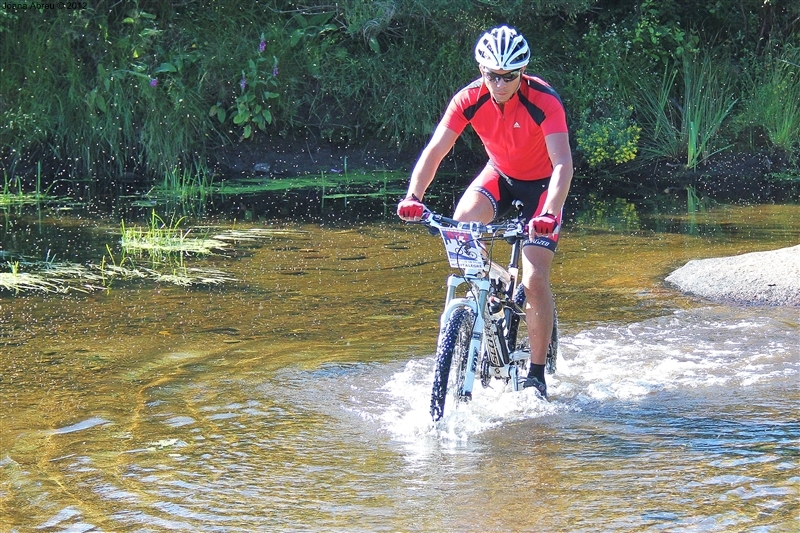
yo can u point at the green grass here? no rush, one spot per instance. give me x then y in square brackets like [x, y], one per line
[682, 114]
[160, 240]
[13, 194]
[774, 101]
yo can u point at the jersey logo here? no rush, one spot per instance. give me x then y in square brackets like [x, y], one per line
[516, 125]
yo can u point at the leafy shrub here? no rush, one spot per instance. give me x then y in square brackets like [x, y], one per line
[608, 140]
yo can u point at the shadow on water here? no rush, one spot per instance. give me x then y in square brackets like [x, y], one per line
[293, 396]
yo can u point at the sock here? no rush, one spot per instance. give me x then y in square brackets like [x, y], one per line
[536, 371]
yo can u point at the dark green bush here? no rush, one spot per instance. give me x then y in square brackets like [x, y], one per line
[152, 87]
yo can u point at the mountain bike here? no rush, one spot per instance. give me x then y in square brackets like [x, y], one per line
[482, 333]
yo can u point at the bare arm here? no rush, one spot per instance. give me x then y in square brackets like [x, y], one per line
[425, 170]
[561, 156]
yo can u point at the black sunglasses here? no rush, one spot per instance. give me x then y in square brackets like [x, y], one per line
[508, 77]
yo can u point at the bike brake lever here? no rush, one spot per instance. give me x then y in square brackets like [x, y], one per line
[427, 217]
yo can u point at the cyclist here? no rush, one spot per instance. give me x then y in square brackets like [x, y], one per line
[522, 123]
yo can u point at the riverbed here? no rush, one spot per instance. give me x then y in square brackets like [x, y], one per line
[294, 397]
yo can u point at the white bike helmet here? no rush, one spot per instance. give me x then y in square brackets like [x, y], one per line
[502, 49]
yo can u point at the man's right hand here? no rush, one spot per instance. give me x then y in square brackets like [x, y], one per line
[410, 209]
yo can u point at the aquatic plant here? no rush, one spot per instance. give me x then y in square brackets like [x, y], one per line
[187, 188]
[72, 277]
[17, 281]
[49, 276]
[160, 239]
[13, 195]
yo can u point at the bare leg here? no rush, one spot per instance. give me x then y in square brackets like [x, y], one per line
[536, 264]
[474, 207]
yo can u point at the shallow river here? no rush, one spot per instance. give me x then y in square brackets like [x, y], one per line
[296, 397]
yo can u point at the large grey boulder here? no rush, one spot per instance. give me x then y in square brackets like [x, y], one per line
[758, 278]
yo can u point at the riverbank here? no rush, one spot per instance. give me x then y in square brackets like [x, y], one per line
[315, 179]
[751, 177]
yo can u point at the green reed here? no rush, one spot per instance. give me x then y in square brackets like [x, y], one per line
[13, 194]
[683, 121]
[774, 99]
[188, 187]
[708, 100]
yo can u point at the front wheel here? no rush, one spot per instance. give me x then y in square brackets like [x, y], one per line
[451, 361]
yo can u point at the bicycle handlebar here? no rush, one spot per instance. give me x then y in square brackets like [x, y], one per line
[511, 229]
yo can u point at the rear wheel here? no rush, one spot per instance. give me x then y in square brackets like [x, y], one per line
[552, 349]
[517, 340]
[451, 361]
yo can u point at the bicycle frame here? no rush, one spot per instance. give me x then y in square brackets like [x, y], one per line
[487, 337]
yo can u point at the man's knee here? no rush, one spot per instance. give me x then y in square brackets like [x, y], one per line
[536, 276]
[474, 206]
[536, 284]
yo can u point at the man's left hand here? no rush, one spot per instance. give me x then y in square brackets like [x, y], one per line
[545, 224]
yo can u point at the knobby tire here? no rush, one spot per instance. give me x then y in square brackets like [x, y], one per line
[451, 360]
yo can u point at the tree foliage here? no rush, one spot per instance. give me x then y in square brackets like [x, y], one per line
[151, 86]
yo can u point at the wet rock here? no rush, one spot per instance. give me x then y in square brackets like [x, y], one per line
[262, 168]
[758, 278]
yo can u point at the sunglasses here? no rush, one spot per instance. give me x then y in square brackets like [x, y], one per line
[508, 77]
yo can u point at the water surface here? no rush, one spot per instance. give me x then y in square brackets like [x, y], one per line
[296, 398]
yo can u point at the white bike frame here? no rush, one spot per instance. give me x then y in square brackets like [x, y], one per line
[483, 338]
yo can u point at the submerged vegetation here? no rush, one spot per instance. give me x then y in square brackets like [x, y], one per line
[73, 277]
[158, 252]
[14, 195]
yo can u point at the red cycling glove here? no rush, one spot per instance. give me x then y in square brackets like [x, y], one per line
[545, 224]
[410, 208]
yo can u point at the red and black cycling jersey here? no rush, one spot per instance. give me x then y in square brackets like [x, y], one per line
[514, 135]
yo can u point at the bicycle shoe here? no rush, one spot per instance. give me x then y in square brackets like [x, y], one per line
[532, 382]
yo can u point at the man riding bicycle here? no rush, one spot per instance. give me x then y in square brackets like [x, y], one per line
[522, 123]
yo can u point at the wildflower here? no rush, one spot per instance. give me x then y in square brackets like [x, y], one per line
[243, 83]
[153, 82]
[274, 72]
[262, 46]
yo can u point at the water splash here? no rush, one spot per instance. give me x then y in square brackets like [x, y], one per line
[684, 350]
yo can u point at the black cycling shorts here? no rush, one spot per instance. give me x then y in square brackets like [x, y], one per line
[502, 190]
